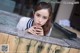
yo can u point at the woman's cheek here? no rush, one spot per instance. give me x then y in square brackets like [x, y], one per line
[44, 22]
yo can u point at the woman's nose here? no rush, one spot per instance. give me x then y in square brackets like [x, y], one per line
[40, 19]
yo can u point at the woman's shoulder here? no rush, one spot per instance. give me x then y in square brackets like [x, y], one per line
[22, 23]
[25, 18]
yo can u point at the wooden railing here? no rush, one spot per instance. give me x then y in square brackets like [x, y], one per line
[14, 44]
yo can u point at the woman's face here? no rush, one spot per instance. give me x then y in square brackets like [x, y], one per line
[41, 17]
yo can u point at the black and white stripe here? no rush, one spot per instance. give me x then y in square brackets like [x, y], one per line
[29, 23]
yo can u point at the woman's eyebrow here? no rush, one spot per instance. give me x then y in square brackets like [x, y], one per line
[45, 16]
[42, 15]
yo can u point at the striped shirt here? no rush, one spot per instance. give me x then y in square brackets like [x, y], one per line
[29, 23]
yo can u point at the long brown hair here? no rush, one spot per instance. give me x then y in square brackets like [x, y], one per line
[44, 5]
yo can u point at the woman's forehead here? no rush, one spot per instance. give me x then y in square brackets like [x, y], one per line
[44, 12]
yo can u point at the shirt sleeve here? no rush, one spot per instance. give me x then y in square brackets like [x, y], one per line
[22, 23]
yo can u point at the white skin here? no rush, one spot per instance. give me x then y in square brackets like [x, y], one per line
[40, 18]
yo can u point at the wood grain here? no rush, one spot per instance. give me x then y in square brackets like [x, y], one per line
[73, 50]
[13, 43]
[23, 46]
[3, 40]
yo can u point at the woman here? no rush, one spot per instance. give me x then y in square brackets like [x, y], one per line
[40, 24]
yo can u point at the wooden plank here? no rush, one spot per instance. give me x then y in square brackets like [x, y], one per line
[65, 50]
[13, 43]
[79, 50]
[57, 49]
[46, 48]
[73, 50]
[37, 48]
[52, 49]
[24, 45]
[3, 40]
[32, 46]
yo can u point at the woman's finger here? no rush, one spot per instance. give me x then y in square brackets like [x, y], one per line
[37, 27]
[38, 30]
[31, 30]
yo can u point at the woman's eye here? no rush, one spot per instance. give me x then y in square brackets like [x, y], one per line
[38, 15]
[44, 17]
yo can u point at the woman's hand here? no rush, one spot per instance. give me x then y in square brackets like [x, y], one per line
[36, 30]
[32, 30]
[39, 31]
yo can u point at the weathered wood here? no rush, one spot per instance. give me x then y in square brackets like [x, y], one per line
[46, 48]
[72, 43]
[73, 50]
[52, 49]
[65, 50]
[3, 40]
[24, 45]
[38, 47]
[57, 49]
[13, 43]
[32, 46]
[79, 51]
